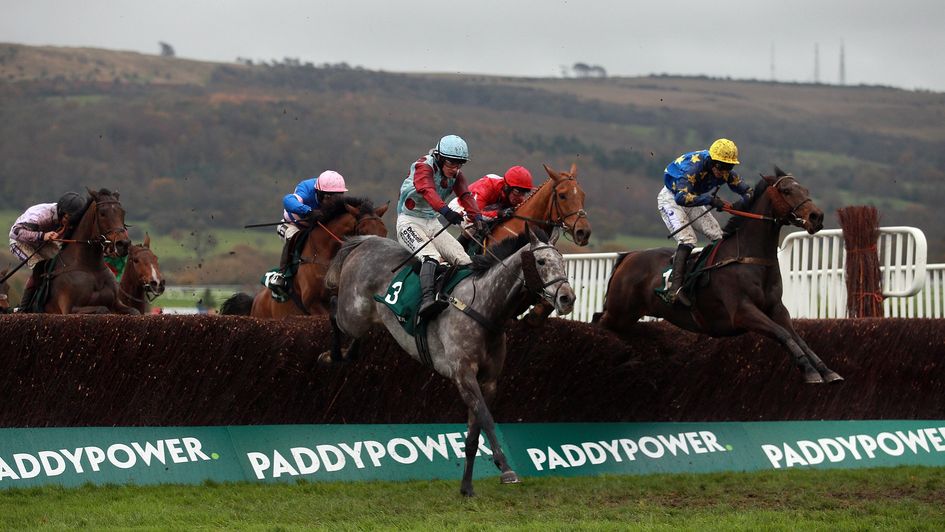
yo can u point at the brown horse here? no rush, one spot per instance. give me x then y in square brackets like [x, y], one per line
[349, 217]
[141, 281]
[744, 292]
[80, 281]
[558, 202]
[4, 293]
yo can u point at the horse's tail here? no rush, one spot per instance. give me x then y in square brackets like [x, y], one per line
[239, 304]
[334, 271]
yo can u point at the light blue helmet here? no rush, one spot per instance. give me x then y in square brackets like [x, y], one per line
[453, 147]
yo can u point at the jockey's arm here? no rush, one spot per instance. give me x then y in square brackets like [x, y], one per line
[423, 184]
[740, 187]
[466, 198]
[293, 204]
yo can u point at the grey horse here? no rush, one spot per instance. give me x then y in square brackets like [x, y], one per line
[468, 350]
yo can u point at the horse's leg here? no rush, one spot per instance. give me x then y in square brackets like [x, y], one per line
[539, 313]
[782, 317]
[479, 419]
[335, 354]
[752, 318]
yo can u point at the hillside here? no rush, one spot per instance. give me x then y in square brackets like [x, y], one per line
[198, 147]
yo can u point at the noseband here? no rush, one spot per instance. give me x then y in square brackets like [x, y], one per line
[533, 281]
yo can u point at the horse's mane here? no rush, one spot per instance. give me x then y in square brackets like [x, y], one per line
[502, 250]
[736, 221]
[333, 209]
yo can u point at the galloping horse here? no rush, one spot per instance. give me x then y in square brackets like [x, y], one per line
[80, 282]
[466, 341]
[346, 217]
[4, 293]
[558, 202]
[745, 289]
[142, 281]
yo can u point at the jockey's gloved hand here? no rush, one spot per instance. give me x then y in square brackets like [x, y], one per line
[482, 224]
[451, 216]
[718, 203]
[506, 213]
[313, 214]
[739, 205]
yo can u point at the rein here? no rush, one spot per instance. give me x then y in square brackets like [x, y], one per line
[783, 220]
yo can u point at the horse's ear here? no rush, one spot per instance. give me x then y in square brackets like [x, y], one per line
[555, 234]
[573, 171]
[92, 194]
[147, 240]
[532, 237]
[352, 209]
[116, 194]
[552, 173]
[779, 172]
[381, 210]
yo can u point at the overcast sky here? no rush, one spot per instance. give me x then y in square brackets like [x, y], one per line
[886, 42]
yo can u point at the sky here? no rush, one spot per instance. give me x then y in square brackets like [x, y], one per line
[884, 42]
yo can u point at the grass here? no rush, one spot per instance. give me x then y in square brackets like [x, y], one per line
[902, 498]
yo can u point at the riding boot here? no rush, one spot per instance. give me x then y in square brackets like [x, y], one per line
[276, 280]
[31, 285]
[430, 304]
[675, 291]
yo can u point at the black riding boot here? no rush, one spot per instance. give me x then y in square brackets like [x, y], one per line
[430, 304]
[675, 292]
[31, 285]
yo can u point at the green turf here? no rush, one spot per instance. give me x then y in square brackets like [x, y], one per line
[909, 498]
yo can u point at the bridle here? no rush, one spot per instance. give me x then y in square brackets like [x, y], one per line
[109, 238]
[561, 220]
[149, 293]
[783, 220]
[533, 281]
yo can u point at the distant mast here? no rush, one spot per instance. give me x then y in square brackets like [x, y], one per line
[772, 62]
[843, 67]
[816, 63]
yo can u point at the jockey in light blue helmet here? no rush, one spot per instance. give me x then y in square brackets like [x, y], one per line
[452, 147]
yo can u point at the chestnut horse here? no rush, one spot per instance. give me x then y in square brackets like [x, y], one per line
[142, 282]
[744, 292]
[80, 281]
[558, 202]
[347, 217]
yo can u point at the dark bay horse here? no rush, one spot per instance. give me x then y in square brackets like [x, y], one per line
[349, 216]
[466, 349]
[4, 293]
[558, 202]
[141, 281]
[744, 292]
[80, 281]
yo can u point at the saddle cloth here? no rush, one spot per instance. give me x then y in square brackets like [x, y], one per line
[403, 294]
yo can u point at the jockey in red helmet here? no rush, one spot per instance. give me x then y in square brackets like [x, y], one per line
[498, 196]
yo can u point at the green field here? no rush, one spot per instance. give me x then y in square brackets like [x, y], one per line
[908, 498]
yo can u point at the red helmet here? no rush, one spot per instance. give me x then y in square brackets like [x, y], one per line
[518, 177]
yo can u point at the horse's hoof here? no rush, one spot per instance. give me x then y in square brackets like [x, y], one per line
[812, 377]
[831, 376]
[467, 492]
[325, 359]
[509, 477]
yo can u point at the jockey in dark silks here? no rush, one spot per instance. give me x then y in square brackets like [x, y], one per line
[299, 208]
[689, 189]
[33, 235]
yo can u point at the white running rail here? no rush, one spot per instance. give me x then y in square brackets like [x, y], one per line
[812, 270]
